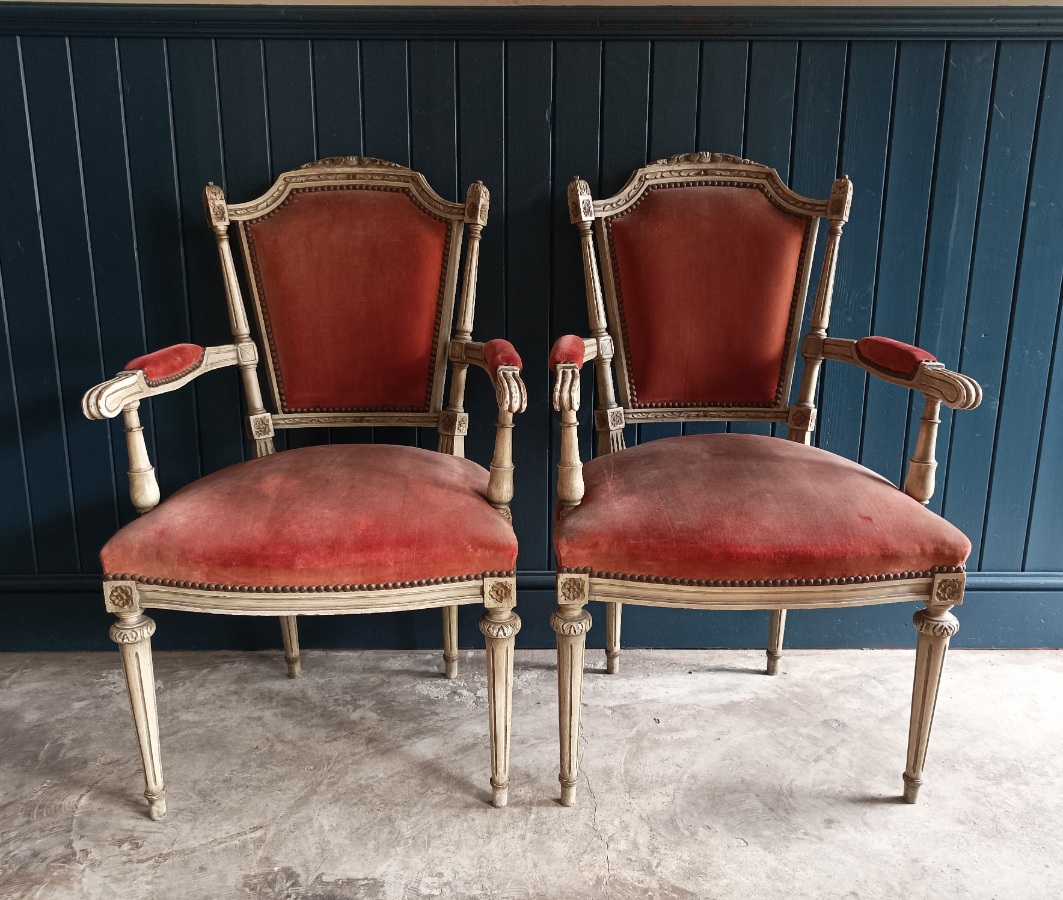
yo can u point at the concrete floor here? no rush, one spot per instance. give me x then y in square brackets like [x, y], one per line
[367, 778]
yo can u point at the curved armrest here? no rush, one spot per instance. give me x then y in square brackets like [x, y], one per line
[915, 369]
[501, 361]
[158, 373]
[903, 365]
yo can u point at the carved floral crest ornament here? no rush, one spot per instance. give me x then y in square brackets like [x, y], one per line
[457, 550]
[713, 539]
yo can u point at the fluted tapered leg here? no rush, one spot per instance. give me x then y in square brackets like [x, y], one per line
[450, 641]
[612, 637]
[290, 634]
[500, 627]
[571, 624]
[133, 634]
[775, 637]
[936, 625]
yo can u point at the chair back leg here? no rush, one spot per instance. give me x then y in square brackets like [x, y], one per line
[936, 626]
[290, 634]
[450, 641]
[132, 633]
[776, 630]
[612, 637]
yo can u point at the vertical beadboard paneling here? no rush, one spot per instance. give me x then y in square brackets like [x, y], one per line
[998, 240]
[954, 242]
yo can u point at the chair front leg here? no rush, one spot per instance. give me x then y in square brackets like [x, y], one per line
[450, 641]
[132, 632]
[570, 622]
[290, 634]
[936, 626]
[776, 630]
[612, 637]
[499, 627]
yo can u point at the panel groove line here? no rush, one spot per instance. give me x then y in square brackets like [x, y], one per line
[948, 123]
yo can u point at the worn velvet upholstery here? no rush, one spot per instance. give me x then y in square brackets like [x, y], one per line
[498, 353]
[567, 349]
[346, 514]
[738, 507]
[170, 362]
[351, 281]
[705, 277]
[893, 356]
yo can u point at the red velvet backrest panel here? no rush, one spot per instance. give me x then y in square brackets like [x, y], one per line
[350, 282]
[706, 282]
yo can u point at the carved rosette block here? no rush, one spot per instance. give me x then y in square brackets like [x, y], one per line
[260, 425]
[121, 596]
[453, 423]
[948, 588]
[573, 590]
[802, 418]
[609, 419]
[214, 206]
[500, 593]
[580, 201]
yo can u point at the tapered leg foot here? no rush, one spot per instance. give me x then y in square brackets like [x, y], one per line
[612, 637]
[571, 624]
[911, 788]
[290, 634]
[450, 641]
[775, 638]
[133, 633]
[500, 627]
[936, 626]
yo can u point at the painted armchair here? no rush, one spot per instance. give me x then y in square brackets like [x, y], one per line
[353, 268]
[706, 261]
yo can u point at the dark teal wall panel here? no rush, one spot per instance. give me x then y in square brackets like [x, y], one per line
[113, 124]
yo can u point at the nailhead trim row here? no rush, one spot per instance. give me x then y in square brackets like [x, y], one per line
[772, 582]
[306, 589]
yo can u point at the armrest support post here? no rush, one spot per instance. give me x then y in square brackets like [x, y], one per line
[919, 482]
[500, 482]
[143, 486]
[570, 486]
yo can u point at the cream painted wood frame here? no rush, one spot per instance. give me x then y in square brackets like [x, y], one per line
[939, 590]
[497, 592]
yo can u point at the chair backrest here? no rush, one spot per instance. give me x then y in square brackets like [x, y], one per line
[706, 261]
[352, 265]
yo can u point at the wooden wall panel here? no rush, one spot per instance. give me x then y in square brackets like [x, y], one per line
[112, 128]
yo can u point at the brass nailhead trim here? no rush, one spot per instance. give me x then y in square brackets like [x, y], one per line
[794, 300]
[260, 299]
[766, 582]
[307, 589]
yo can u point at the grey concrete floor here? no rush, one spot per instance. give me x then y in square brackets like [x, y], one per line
[367, 778]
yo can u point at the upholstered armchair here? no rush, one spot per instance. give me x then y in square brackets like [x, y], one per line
[706, 261]
[353, 267]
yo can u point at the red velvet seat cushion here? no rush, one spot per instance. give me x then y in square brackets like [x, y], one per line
[346, 514]
[738, 507]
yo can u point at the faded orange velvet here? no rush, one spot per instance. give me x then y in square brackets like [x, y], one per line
[498, 353]
[567, 349]
[327, 515]
[733, 507]
[706, 276]
[351, 280]
[894, 356]
[168, 362]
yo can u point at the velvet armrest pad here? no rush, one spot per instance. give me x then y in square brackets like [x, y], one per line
[567, 349]
[167, 364]
[498, 353]
[895, 357]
